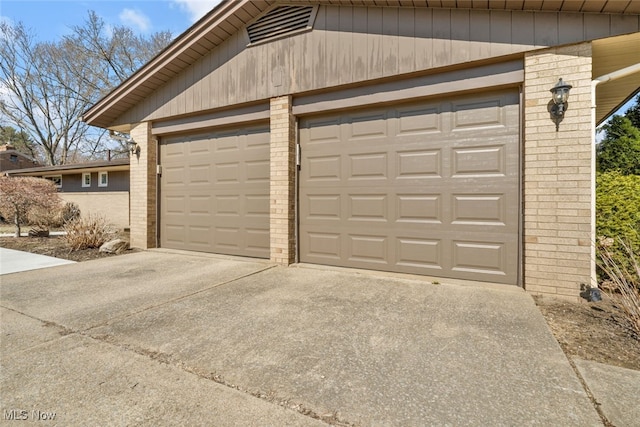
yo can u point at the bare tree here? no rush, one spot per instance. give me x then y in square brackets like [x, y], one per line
[111, 54]
[47, 86]
[22, 197]
[36, 103]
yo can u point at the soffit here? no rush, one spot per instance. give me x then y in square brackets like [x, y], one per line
[609, 55]
[231, 16]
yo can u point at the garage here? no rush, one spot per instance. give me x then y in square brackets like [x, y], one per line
[214, 192]
[428, 187]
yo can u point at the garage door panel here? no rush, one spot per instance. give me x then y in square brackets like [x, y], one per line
[323, 131]
[367, 127]
[422, 254]
[174, 234]
[173, 176]
[227, 239]
[323, 168]
[480, 257]
[257, 171]
[199, 174]
[200, 205]
[474, 209]
[476, 255]
[419, 121]
[368, 166]
[426, 188]
[419, 164]
[227, 205]
[368, 207]
[322, 246]
[479, 161]
[199, 235]
[367, 248]
[478, 115]
[419, 208]
[214, 192]
[227, 173]
[322, 206]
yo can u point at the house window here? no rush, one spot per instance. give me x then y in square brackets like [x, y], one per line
[86, 180]
[13, 158]
[103, 179]
[56, 179]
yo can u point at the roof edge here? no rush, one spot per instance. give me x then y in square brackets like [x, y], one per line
[72, 167]
[197, 31]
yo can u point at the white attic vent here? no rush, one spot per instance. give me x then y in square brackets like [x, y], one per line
[282, 21]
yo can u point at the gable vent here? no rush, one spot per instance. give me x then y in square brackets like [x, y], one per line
[281, 21]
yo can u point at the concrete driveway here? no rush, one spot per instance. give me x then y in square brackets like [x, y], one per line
[160, 338]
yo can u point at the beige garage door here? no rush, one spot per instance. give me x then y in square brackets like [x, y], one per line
[427, 188]
[214, 192]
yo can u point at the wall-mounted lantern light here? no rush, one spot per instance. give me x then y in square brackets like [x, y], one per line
[559, 95]
[131, 144]
[133, 147]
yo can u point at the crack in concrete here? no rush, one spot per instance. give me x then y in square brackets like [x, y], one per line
[592, 398]
[180, 298]
[167, 359]
[271, 397]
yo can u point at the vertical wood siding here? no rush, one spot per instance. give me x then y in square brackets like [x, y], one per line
[117, 181]
[355, 44]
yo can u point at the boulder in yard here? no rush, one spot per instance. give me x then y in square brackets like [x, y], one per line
[116, 246]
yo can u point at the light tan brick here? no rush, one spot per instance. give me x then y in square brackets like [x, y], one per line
[143, 185]
[557, 174]
[282, 190]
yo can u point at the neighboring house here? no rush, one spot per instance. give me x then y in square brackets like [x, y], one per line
[404, 136]
[97, 187]
[11, 159]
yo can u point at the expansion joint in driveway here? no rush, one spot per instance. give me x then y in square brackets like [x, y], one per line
[180, 298]
[170, 360]
[585, 386]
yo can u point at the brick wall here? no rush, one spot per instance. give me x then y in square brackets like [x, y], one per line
[282, 190]
[558, 175]
[113, 205]
[143, 188]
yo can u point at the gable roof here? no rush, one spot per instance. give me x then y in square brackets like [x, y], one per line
[231, 16]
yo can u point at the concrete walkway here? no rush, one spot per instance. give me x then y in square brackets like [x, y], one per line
[156, 338]
[12, 261]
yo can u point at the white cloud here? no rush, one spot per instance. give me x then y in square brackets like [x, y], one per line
[197, 8]
[135, 18]
[6, 20]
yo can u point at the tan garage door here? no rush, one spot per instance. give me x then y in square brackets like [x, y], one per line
[427, 188]
[214, 192]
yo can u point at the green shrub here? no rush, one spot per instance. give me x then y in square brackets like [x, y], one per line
[618, 214]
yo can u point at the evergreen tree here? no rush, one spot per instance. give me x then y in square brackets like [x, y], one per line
[620, 148]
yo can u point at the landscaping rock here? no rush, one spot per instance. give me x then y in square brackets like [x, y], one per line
[38, 232]
[116, 246]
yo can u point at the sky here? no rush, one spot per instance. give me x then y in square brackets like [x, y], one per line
[49, 20]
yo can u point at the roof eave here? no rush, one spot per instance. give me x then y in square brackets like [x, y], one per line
[196, 32]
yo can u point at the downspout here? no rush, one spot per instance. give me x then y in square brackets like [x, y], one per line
[623, 72]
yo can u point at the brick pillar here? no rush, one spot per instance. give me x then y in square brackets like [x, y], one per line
[559, 218]
[282, 190]
[143, 188]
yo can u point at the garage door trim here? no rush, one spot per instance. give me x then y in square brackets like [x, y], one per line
[459, 81]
